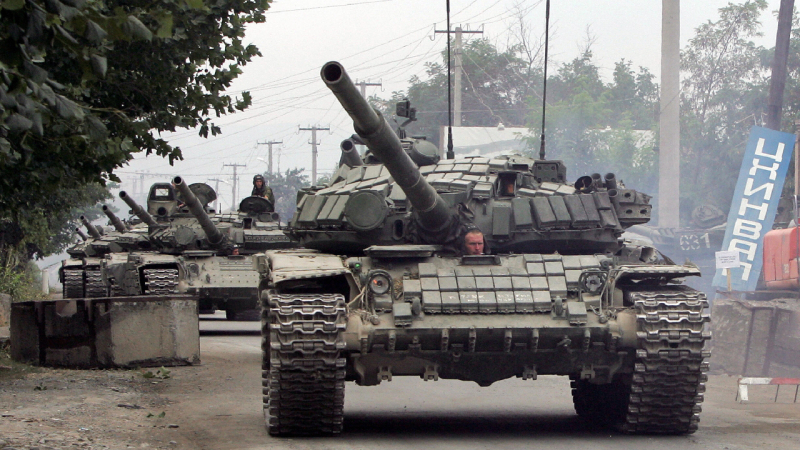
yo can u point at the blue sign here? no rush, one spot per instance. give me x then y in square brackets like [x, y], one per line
[754, 204]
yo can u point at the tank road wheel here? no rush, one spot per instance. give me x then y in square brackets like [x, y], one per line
[304, 386]
[73, 284]
[664, 393]
[160, 281]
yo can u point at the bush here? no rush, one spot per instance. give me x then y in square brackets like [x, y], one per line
[20, 284]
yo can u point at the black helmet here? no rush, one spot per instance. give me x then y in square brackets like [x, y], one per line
[258, 177]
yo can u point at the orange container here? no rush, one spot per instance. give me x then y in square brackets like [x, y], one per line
[781, 250]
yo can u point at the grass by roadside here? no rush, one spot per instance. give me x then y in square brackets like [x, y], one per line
[10, 369]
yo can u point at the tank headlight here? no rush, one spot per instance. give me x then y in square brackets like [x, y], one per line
[380, 284]
[592, 281]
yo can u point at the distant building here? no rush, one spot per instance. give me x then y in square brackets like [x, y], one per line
[484, 141]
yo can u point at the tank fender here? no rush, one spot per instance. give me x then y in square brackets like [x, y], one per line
[295, 265]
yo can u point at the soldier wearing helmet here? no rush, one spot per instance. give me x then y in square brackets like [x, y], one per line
[260, 189]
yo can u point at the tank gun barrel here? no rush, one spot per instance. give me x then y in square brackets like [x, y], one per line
[372, 128]
[138, 210]
[114, 219]
[92, 230]
[350, 154]
[212, 232]
[82, 234]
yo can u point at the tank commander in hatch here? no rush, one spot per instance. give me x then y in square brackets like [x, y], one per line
[473, 242]
[260, 189]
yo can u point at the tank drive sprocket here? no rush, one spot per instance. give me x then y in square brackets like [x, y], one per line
[304, 374]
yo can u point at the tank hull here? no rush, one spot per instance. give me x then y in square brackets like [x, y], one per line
[482, 320]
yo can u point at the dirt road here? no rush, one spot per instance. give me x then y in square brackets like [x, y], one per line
[217, 405]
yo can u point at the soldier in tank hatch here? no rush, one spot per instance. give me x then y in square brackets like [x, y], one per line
[260, 189]
[473, 242]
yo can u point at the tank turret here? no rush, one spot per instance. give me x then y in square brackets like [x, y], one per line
[433, 213]
[118, 225]
[138, 210]
[403, 194]
[214, 235]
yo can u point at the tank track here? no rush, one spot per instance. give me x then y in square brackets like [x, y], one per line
[664, 393]
[160, 281]
[303, 376]
[95, 287]
[73, 284]
[116, 289]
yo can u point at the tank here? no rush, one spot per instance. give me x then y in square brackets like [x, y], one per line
[82, 273]
[384, 286]
[151, 271]
[200, 251]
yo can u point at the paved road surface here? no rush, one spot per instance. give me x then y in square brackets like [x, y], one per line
[218, 405]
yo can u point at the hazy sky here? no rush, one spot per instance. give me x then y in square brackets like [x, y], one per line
[388, 41]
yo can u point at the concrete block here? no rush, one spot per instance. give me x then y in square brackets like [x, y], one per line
[782, 370]
[108, 332]
[756, 338]
[759, 342]
[787, 326]
[730, 323]
[148, 334]
[79, 357]
[66, 319]
[24, 333]
[785, 352]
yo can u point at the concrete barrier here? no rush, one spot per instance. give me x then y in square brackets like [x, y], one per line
[107, 332]
[756, 338]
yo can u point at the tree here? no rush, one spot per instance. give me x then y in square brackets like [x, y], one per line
[597, 127]
[86, 84]
[285, 187]
[723, 95]
[496, 88]
[50, 228]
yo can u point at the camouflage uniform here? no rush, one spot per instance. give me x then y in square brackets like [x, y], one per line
[265, 191]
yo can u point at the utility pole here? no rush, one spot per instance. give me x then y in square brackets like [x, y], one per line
[459, 68]
[314, 144]
[270, 143]
[216, 190]
[363, 85]
[235, 179]
[669, 155]
[778, 82]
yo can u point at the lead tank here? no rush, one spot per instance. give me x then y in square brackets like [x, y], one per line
[383, 288]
